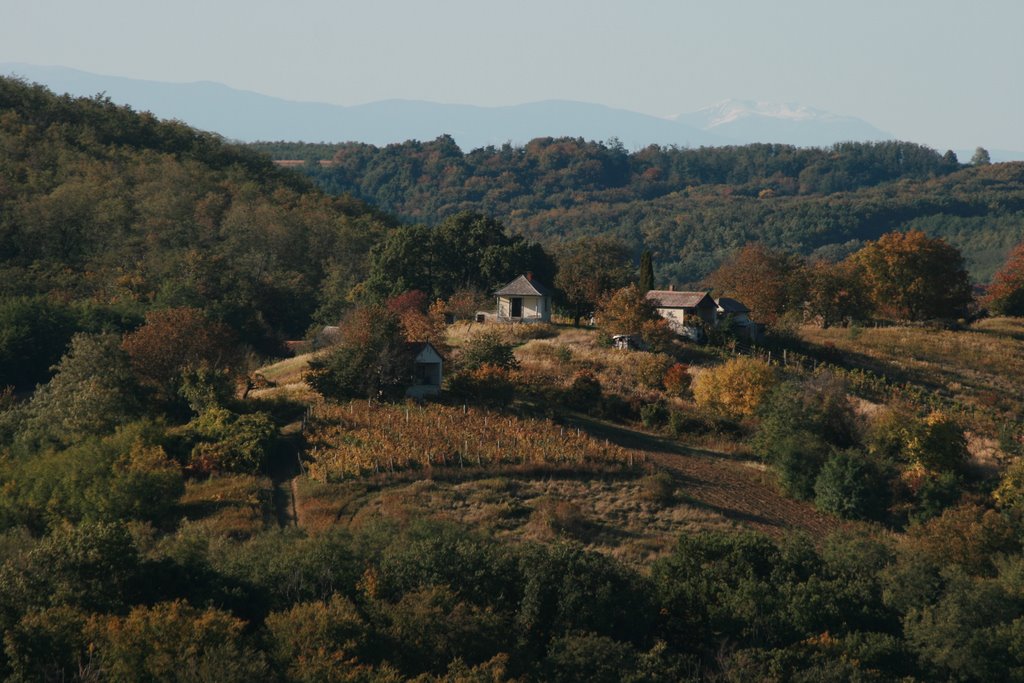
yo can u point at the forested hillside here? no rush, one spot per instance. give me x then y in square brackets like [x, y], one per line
[845, 502]
[691, 207]
[106, 213]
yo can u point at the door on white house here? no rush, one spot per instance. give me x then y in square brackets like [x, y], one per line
[517, 308]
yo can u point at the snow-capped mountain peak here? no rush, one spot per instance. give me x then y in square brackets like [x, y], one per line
[788, 122]
[728, 111]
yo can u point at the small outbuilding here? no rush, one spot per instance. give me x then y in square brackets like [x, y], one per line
[734, 309]
[738, 317]
[524, 300]
[684, 311]
[428, 370]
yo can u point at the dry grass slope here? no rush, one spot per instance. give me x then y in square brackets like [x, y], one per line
[361, 438]
[980, 367]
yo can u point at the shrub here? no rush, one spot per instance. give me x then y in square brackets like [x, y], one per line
[487, 384]
[589, 657]
[937, 443]
[850, 486]
[558, 516]
[654, 415]
[658, 335]
[797, 459]
[488, 348]
[229, 442]
[677, 379]
[735, 388]
[614, 407]
[126, 475]
[658, 488]
[585, 392]
[649, 368]
[935, 493]
[1009, 494]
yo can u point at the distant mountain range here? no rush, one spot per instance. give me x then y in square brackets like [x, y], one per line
[248, 117]
[796, 124]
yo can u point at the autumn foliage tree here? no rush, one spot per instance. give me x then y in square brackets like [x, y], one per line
[627, 311]
[770, 282]
[735, 388]
[421, 320]
[173, 340]
[1006, 293]
[910, 276]
[836, 294]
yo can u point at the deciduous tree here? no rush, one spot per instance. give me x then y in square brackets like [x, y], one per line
[589, 268]
[836, 293]
[735, 388]
[174, 641]
[92, 392]
[173, 340]
[911, 276]
[372, 360]
[625, 311]
[771, 283]
[1005, 295]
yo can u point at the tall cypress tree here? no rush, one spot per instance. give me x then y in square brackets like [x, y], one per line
[646, 272]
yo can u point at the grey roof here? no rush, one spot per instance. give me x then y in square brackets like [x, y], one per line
[666, 298]
[416, 348]
[730, 305]
[522, 286]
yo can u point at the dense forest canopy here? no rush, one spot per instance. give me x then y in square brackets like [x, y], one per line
[106, 213]
[690, 207]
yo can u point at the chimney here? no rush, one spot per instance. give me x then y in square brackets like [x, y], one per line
[529, 275]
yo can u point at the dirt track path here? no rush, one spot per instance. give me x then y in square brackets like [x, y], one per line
[283, 473]
[284, 502]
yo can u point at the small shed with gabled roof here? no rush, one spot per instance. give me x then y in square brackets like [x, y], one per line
[737, 315]
[428, 370]
[684, 310]
[524, 300]
[733, 308]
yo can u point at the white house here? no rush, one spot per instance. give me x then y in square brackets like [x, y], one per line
[684, 311]
[428, 370]
[524, 300]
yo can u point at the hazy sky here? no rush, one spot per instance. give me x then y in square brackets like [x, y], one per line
[948, 73]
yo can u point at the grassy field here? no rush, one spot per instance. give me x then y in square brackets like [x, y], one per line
[235, 506]
[980, 367]
[632, 515]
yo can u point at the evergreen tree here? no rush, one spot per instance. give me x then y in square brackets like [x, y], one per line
[646, 272]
